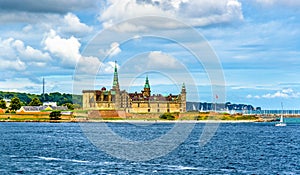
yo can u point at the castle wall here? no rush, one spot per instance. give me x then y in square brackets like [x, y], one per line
[105, 105]
[155, 107]
[88, 99]
[89, 102]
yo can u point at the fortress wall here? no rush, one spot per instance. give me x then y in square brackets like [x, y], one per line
[107, 114]
[87, 95]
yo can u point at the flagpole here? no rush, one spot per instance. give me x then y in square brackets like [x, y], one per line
[216, 103]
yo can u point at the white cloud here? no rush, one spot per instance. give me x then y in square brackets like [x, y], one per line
[112, 51]
[126, 27]
[17, 65]
[46, 6]
[66, 49]
[92, 65]
[284, 93]
[152, 61]
[161, 60]
[66, 25]
[88, 65]
[27, 28]
[125, 9]
[15, 55]
[7, 51]
[108, 67]
[289, 3]
[29, 53]
[72, 24]
[201, 13]
[193, 12]
[250, 96]
[136, 37]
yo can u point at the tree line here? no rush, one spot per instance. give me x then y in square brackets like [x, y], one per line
[26, 99]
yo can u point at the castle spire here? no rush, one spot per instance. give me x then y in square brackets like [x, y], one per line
[116, 80]
[147, 85]
[147, 91]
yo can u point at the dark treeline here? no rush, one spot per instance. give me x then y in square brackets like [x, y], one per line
[26, 98]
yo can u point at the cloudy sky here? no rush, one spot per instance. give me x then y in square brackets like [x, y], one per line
[255, 42]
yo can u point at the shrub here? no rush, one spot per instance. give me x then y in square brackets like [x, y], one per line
[167, 116]
[55, 115]
[202, 117]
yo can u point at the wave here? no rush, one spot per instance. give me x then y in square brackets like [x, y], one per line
[59, 159]
[182, 168]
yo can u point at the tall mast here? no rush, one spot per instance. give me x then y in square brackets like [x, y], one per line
[43, 90]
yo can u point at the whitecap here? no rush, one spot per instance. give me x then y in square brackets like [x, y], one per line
[50, 158]
[78, 161]
[179, 167]
[58, 159]
[186, 168]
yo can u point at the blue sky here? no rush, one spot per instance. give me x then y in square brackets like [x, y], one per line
[256, 41]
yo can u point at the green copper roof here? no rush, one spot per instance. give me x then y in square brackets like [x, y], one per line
[147, 85]
[116, 81]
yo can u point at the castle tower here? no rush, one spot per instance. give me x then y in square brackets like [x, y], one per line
[116, 88]
[116, 79]
[147, 91]
[183, 98]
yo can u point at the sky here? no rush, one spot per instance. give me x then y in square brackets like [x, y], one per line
[249, 47]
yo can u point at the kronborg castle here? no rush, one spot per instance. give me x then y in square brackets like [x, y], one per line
[143, 102]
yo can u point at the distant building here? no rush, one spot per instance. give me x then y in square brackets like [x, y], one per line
[220, 107]
[31, 109]
[7, 102]
[143, 102]
[49, 103]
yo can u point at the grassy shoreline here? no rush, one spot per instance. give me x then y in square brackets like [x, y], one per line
[179, 118]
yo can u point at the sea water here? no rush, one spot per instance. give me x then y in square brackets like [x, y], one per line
[236, 148]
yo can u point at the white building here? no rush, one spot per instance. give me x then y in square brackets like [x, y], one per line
[50, 104]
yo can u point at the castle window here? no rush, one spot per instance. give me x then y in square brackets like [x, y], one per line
[168, 110]
[138, 105]
[158, 110]
[148, 110]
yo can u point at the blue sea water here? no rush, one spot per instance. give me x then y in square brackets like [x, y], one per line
[236, 148]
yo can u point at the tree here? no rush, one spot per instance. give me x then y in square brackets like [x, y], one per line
[15, 104]
[35, 102]
[55, 115]
[3, 104]
[69, 106]
[167, 116]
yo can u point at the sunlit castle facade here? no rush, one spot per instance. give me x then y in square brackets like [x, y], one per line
[143, 102]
